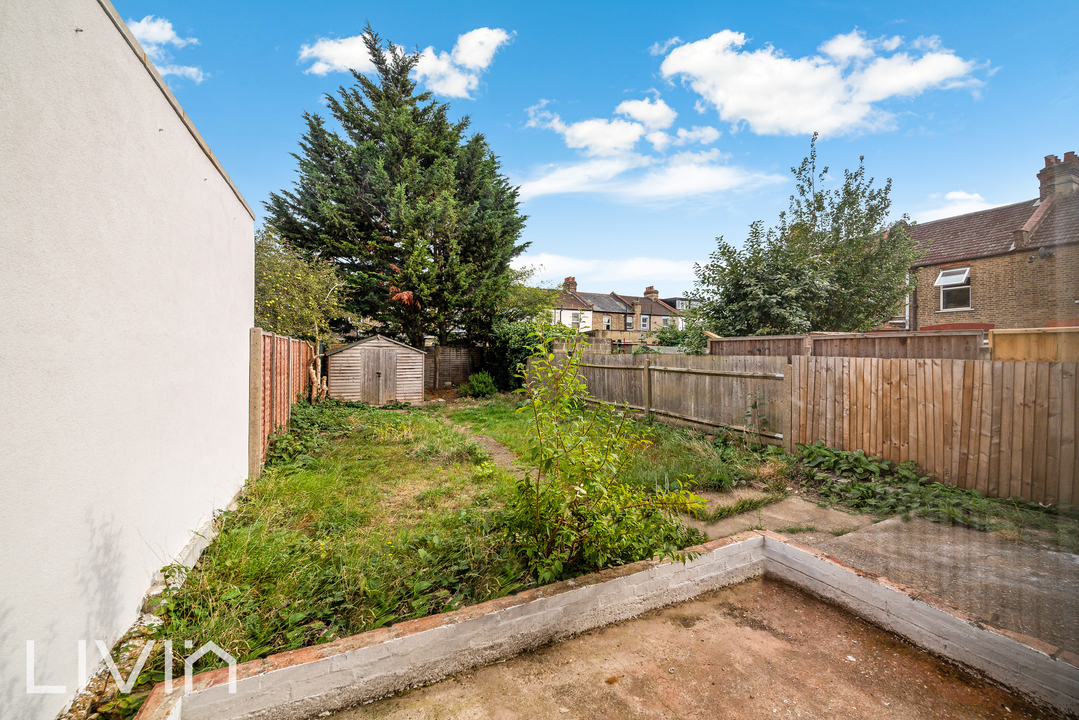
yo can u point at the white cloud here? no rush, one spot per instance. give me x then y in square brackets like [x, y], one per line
[155, 35]
[476, 49]
[682, 176]
[659, 139]
[662, 48]
[595, 136]
[832, 93]
[693, 175]
[589, 176]
[598, 274]
[456, 74]
[653, 114]
[956, 202]
[704, 135]
[337, 55]
[890, 44]
[451, 74]
[185, 71]
[847, 47]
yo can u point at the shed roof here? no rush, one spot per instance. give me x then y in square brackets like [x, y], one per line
[369, 339]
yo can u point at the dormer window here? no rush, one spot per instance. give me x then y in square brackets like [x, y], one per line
[954, 284]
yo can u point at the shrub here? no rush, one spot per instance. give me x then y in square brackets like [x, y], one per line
[513, 343]
[479, 385]
[572, 513]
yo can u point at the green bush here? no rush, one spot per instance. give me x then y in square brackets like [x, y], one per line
[573, 513]
[479, 385]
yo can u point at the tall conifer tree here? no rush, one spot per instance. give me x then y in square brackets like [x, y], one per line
[418, 217]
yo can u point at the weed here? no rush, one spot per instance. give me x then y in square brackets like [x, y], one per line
[574, 512]
[479, 385]
[792, 529]
[880, 487]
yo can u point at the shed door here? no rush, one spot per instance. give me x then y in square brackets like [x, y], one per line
[380, 376]
[387, 386]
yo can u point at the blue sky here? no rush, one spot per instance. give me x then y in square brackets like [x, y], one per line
[639, 132]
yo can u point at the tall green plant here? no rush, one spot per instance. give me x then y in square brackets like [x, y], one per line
[573, 513]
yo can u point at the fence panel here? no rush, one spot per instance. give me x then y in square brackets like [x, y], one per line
[733, 392]
[456, 365]
[284, 376]
[1002, 428]
[1039, 344]
[953, 344]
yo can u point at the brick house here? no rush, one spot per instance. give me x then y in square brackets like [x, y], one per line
[1008, 267]
[621, 318]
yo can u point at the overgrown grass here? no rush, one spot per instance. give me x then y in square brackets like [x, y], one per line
[391, 520]
[674, 457]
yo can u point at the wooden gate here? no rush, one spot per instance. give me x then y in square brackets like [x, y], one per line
[380, 377]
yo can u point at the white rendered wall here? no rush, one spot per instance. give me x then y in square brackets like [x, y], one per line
[565, 317]
[126, 283]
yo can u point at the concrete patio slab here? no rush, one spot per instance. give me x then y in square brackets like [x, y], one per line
[755, 650]
[1018, 586]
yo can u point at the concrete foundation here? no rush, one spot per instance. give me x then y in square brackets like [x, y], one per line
[351, 671]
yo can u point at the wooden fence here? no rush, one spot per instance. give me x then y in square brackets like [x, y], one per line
[1043, 344]
[1002, 428]
[456, 364]
[771, 345]
[952, 344]
[279, 374]
[734, 393]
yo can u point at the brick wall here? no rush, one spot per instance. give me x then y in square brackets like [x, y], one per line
[1007, 291]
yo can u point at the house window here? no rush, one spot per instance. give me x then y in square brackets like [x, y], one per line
[644, 322]
[629, 322]
[666, 321]
[954, 284]
[606, 322]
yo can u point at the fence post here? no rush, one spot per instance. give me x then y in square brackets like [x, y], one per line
[787, 420]
[273, 383]
[254, 411]
[648, 388]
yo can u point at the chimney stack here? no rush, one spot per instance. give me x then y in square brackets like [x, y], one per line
[570, 284]
[651, 293]
[1059, 178]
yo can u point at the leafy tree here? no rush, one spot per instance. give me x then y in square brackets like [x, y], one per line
[690, 339]
[525, 301]
[417, 215]
[835, 262]
[294, 295]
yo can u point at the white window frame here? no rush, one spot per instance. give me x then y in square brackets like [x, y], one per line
[606, 322]
[954, 279]
[666, 321]
[629, 322]
[575, 317]
[644, 322]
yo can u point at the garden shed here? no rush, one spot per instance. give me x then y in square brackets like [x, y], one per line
[376, 370]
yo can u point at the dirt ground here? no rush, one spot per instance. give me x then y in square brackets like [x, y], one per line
[756, 650]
